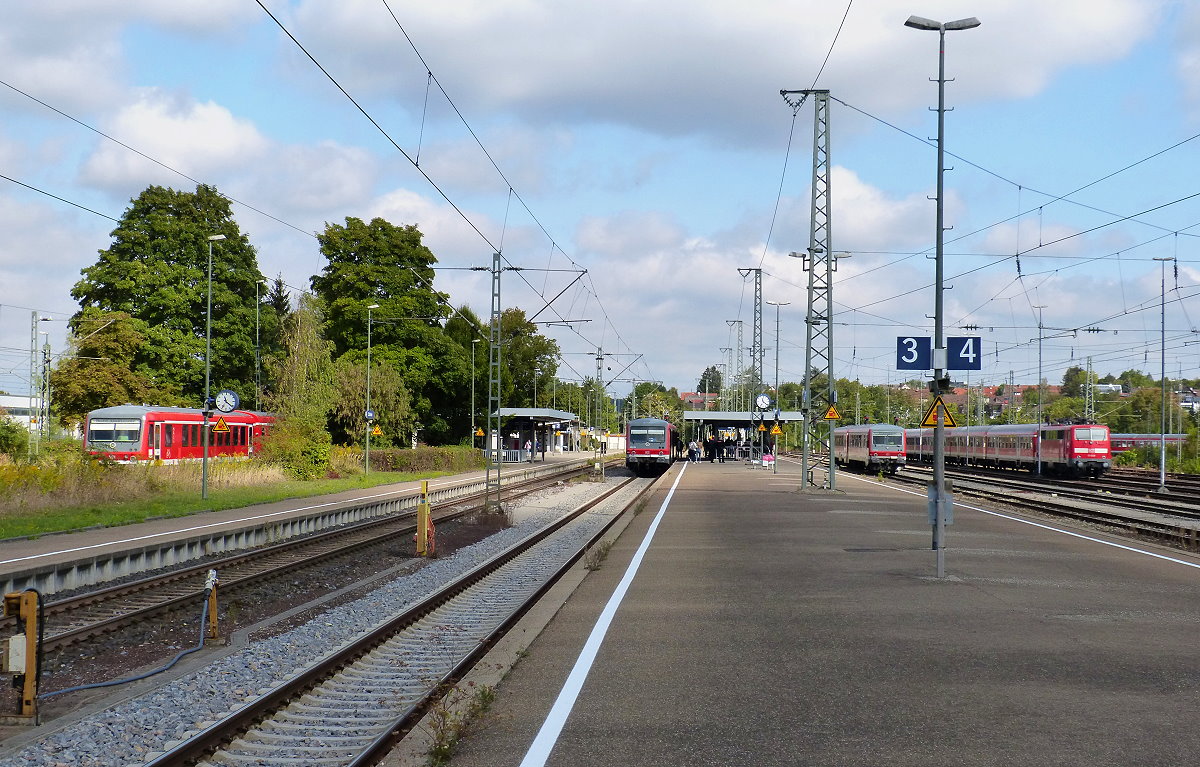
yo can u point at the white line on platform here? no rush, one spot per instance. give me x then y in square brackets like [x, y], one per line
[1051, 528]
[539, 750]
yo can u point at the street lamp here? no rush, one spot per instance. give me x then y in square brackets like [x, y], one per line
[1162, 377]
[777, 304]
[257, 345]
[207, 369]
[1039, 308]
[368, 415]
[939, 349]
[473, 342]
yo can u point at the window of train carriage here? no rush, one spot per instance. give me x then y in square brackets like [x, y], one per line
[168, 435]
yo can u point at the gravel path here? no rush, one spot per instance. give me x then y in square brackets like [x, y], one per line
[127, 732]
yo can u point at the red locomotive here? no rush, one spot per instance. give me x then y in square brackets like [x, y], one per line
[870, 446]
[1067, 449]
[131, 433]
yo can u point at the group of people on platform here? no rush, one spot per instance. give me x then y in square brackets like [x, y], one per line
[718, 449]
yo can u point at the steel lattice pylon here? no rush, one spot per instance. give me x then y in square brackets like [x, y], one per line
[495, 449]
[820, 263]
[756, 348]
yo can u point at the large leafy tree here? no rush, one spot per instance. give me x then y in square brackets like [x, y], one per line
[156, 271]
[528, 359]
[710, 380]
[382, 264]
[304, 394]
[101, 368]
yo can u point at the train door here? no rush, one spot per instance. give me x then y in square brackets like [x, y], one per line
[155, 440]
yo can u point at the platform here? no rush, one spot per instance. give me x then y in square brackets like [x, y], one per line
[766, 626]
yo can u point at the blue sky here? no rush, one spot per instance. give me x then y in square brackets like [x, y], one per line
[646, 144]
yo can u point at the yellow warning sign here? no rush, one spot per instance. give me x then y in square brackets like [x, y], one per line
[776, 430]
[478, 431]
[930, 420]
[832, 414]
[220, 425]
[761, 427]
[376, 432]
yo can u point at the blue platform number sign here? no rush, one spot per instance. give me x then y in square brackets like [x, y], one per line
[964, 353]
[914, 353]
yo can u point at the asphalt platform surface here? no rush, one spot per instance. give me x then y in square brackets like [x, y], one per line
[766, 626]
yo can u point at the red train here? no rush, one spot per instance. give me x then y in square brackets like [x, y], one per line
[651, 444]
[870, 446]
[131, 433]
[1066, 449]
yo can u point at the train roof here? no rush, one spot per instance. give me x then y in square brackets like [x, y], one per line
[642, 421]
[139, 411]
[882, 428]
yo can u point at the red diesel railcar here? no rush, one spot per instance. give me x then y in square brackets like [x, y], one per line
[131, 433]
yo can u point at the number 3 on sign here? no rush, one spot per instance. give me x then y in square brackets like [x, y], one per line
[914, 353]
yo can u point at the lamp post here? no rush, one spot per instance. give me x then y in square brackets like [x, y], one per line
[777, 304]
[1162, 376]
[369, 416]
[473, 342]
[939, 349]
[1039, 308]
[257, 345]
[207, 369]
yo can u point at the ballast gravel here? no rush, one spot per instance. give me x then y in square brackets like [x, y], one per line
[130, 731]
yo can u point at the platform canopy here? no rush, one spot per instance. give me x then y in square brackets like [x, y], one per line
[734, 417]
[539, 415]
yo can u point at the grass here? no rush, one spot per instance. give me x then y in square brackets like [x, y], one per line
[38, 501]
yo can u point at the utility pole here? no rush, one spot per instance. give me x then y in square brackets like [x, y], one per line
[820, 263]
[756, 348]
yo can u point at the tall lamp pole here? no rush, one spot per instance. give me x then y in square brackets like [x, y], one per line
[1041, 394]
[207, 369]
[777, 304]
[1162, 377]
[370, 416]
[257, 345]
[473, 342]
[939, 348]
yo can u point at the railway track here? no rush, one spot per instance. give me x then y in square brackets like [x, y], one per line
[350, 707]
[77, 619]
[1164, 520]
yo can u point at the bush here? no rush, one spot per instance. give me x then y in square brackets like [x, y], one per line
[422, 459]
[14, 438]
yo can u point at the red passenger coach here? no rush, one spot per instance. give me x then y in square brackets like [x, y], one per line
[131, 433]
[1068, 449]
[870, 446]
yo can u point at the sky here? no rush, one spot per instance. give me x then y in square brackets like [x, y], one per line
[647, 145]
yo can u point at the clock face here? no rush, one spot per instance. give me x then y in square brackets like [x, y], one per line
[227, 401]
[763, 401]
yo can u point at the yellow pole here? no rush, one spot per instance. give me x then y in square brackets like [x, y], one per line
[21, 651]
[423, 523]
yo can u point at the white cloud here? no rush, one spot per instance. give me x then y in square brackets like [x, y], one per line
[674, 67]
[198, 139]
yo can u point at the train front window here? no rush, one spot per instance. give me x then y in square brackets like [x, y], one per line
[114, 431]
[643, 436]
[886, 441]
[1091, 433]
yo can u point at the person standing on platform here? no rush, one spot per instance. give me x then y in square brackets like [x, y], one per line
[693, 452]
[720, 450]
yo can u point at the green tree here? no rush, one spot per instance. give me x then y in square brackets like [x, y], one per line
[387, 265]
[156, 271]
[710, 380]
[527, 357]
[100, 370]
[1075, 381]
[389, 401]
[14, 438]
[304, 395]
